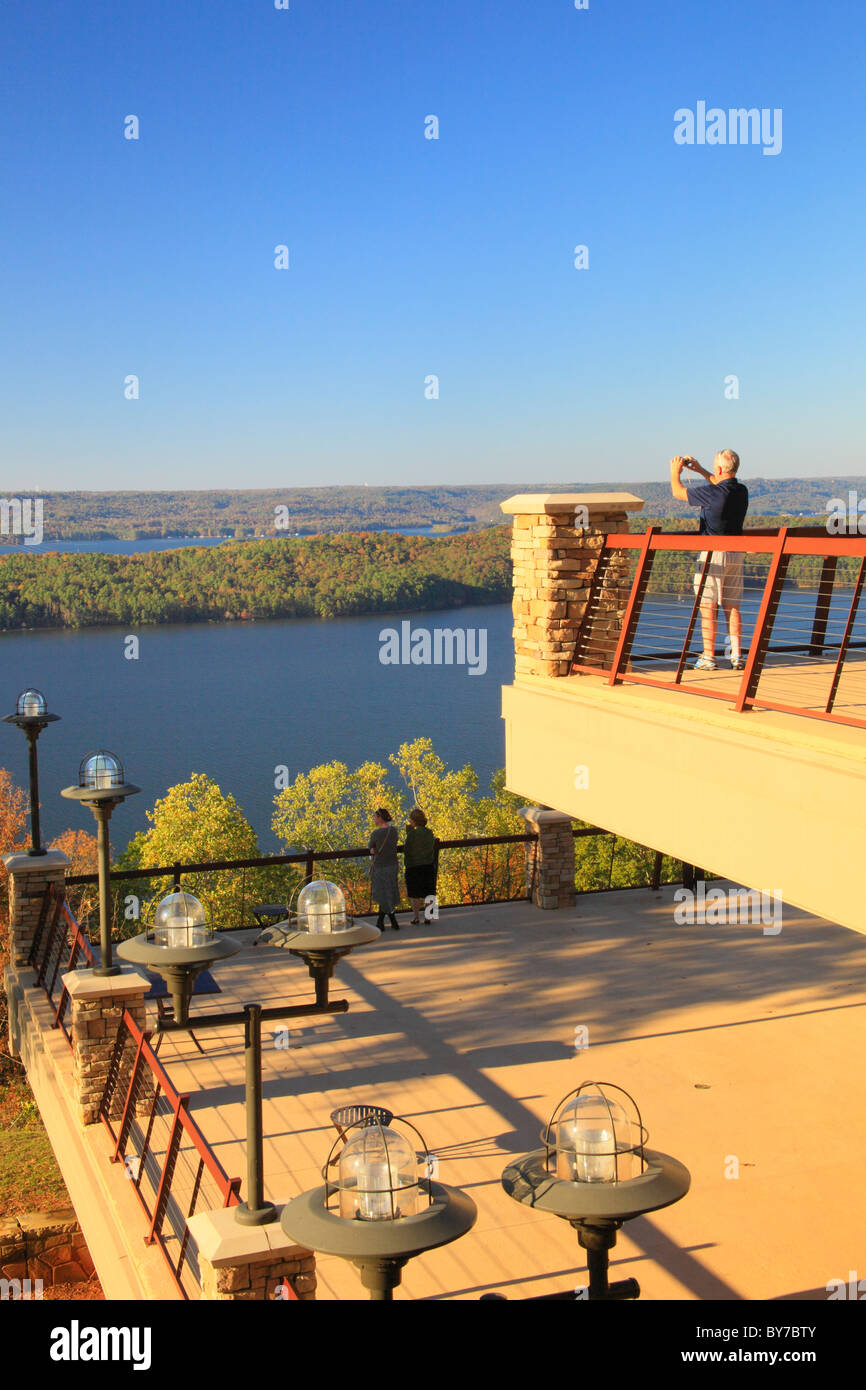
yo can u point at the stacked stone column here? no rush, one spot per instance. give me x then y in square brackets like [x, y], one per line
[97, 1006]
[557, 539]
[549, 858]
[29, 877]
[249, 1263]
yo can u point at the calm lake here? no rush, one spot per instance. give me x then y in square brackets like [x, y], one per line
[237, 700]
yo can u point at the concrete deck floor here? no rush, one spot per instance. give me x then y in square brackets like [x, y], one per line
[736, 1045]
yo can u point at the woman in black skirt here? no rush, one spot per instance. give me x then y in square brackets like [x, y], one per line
[419, 855]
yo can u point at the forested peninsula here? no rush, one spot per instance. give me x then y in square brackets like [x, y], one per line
[305, 577]
[315, 577]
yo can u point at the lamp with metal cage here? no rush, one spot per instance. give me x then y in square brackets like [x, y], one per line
[31, 717]
[596, 1172]
[319, 929]
[179, 946]
[383, 1209]
[102, 785]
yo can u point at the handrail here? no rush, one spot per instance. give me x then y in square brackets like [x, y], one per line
[619, 618]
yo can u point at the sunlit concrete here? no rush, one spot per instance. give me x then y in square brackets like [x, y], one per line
[743, 1050]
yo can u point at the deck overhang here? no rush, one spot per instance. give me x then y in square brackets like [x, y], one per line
[766, 799]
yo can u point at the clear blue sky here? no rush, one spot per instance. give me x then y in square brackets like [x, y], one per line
[412, 256]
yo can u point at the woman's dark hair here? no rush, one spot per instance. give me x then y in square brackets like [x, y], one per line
[383, 814]
[417, 816]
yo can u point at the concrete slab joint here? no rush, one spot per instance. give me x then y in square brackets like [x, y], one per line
[249, 1263]
[549, 858]
[556, 543]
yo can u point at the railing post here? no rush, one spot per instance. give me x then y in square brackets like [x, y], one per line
[846, 638]
[165, 1177]
[633, 607]
[822, 605]
[764, 623]
[309, 863]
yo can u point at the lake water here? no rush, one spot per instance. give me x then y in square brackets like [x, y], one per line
[140, 547]
[236, 700]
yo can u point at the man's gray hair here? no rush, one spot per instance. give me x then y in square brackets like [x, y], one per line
[729, 461]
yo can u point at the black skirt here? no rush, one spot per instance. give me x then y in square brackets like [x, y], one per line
[420, 880]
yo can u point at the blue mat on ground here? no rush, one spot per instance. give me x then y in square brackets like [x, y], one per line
[205, 984]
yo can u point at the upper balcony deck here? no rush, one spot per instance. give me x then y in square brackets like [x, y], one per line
[756, 774]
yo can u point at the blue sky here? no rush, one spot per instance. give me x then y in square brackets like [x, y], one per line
[411, 257]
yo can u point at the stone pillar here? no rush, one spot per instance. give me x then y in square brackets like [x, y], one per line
[97, 1004]
[556, 542]
[249, 1263]
[29, 876]
[549, 858]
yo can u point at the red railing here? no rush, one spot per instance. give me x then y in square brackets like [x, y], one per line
[59, 943]
[169, 1162]
[172, 1168]
[803, 644]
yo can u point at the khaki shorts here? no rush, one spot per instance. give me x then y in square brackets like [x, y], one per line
[723, 585]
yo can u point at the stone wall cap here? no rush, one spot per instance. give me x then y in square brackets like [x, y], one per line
[85, 984]
[538, 815]
[221, 1240]
[19, 863]
[543, 503]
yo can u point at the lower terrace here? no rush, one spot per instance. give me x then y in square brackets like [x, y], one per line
[742, 1049]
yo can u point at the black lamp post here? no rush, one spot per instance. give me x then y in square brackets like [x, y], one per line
[31, 715]
[387, 1209]
[596, 1172]
[320, 931]
[179, 946]
[101, 786]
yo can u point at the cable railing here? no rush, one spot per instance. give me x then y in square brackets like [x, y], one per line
[172, 1168]
[59, 945]
[797, 591]
[475, 870]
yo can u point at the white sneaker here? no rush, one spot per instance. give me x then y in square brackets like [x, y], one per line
[705, 663]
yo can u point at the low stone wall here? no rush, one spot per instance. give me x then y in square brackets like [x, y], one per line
[44, 1245]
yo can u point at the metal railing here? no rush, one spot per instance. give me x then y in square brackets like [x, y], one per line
[59, 944]
[478, 877]
[172, 1168]
[803, 636]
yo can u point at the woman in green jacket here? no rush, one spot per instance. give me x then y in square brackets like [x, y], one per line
[419, 857]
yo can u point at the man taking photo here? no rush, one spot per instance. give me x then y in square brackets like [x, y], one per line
[723, 502]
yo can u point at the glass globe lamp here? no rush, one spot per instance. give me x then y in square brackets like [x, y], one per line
[597, 1136]
[100, 771]
[378, 1176]
[31, 704]
[321, 908]
[180, 920]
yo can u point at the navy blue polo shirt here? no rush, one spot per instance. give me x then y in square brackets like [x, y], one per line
[723, 507]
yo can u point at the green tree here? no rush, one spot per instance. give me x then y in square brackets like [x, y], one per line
[194, 822]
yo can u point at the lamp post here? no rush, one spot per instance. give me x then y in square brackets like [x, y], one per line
[179, 946]
[596, 1172]
[101, 786]
[387, 1209]
[32, 716]
[320, 931]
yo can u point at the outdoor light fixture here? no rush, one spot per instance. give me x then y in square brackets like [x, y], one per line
[179, 946]
[31, 715]
[383, 1209]
[102, 786]
[596, 1172]
[320, 930]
